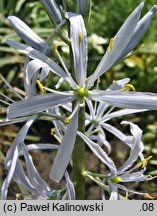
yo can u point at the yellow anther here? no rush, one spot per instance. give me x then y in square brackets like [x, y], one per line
[19, 196]
[111, 44]
[147, 196]
[116, 180]
[98, 80]
[53, 130]
[67, 120]
[55, 50]
[144, 162]
[80, 38]
[113, 81]
[129, 87]
[125, 198]
[40, 86]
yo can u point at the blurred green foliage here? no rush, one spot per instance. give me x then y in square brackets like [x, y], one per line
[106, 19]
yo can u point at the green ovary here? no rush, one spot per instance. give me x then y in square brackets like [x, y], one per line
[82, 92]
[116, 180]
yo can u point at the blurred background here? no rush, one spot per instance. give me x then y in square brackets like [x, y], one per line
[141, 68]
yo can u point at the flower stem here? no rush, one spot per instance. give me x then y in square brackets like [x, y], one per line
[79, 159]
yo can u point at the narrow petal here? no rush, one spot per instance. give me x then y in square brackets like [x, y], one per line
[100, 153]
[35, 54]
[12, 156]
[84, 8]
[136, 148]
[139, 32]
[130, 100]
[6, 183]
[33, 175]
[120, 113]
[29, 36]
[13, 121]
[31, 75]
[119, 43]
[21, 178]
[113, 189]
[44, 73]
[117, 133]
[40, 146]
[38, 104]
[90, 107]
[64, 153]
[133, 177]
[52, 10]
[119, 84]
[101, 140]
[70, 187]
[19, 138]
[78, 38]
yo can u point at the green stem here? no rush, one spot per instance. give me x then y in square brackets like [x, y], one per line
[79, 159]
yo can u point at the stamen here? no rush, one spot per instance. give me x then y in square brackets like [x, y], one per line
[98, 80]
[21, 92]
[111, 44]
[80, 38]
[67, 120]
[144, 162]
[10, 87]
[53, 130]
[150, 178]
[55, 50]
[125, 198]
[147, 196]
[52, 33]
[40, 86]
[129, 87]
[57, 138]
[4, 102]
[63, 64]
[19, 196]
[7, 97]
[53, 133]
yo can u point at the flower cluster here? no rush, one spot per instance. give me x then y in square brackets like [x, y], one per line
[88, 106]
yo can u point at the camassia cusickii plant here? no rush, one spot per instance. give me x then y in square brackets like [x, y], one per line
[80, 115]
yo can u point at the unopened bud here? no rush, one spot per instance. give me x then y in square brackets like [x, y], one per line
[52, 10]
[84, 8]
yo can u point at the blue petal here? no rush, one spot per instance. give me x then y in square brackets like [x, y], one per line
[119, 43]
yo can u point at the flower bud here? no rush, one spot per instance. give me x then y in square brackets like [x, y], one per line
[27, 34]
[52, 10]
[84, 8]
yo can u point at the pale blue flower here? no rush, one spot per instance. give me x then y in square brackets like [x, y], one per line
[101, 112]
[119, 98]
[124, 40]
[36, 187]
[12, 156]
[124, 173]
